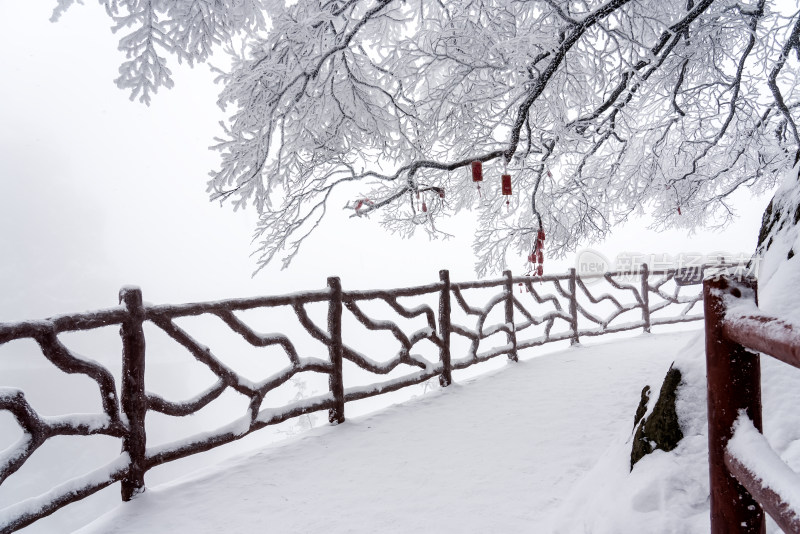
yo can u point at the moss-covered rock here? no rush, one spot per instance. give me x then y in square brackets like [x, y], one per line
[660, 429]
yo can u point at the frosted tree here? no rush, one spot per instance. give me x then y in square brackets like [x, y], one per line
[598, 109]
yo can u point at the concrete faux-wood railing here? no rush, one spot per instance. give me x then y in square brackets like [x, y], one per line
[569, 304]
[746, 475]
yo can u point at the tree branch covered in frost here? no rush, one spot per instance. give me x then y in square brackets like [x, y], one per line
[186, 29]
[599, 109]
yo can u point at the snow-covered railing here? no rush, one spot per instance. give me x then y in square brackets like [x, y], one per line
[526, 312]
[761, 480]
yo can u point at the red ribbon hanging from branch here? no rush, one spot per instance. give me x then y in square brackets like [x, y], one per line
[537, 256]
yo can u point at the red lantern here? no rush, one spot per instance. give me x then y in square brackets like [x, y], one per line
[477, 171]
[506, 184]
[477, 174]
[506, 188]
[537, 256]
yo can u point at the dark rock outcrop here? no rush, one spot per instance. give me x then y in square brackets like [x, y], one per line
[660, 429]
[642, 408]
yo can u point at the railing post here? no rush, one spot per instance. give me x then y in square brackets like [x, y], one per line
[511, 336]
[573, 306]
[134, 403]
[646, 297]
[446, 378]
[335, 350]
[734, 384]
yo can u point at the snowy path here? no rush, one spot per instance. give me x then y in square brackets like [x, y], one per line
[496, 454]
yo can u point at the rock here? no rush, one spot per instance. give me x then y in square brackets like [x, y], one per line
[660, 429]
[642, 408]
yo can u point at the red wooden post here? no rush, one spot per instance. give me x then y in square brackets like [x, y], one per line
[446, 378]
[511, 336]
[134, 403]
[645, 297]
[734, 383]
[336, 350]
[573, 306]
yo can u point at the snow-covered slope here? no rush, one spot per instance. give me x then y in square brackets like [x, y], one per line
[779, 261]
[498, 454]
[668, 492]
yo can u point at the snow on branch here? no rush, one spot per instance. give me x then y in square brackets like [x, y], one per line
[598, 110]
[188, 29]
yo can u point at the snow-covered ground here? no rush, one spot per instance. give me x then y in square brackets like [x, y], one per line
[542, 445]
[501, 453]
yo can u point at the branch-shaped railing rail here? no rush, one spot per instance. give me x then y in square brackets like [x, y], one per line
[746, 475]
[558, 317]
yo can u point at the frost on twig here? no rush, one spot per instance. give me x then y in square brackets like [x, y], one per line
[598, 110]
